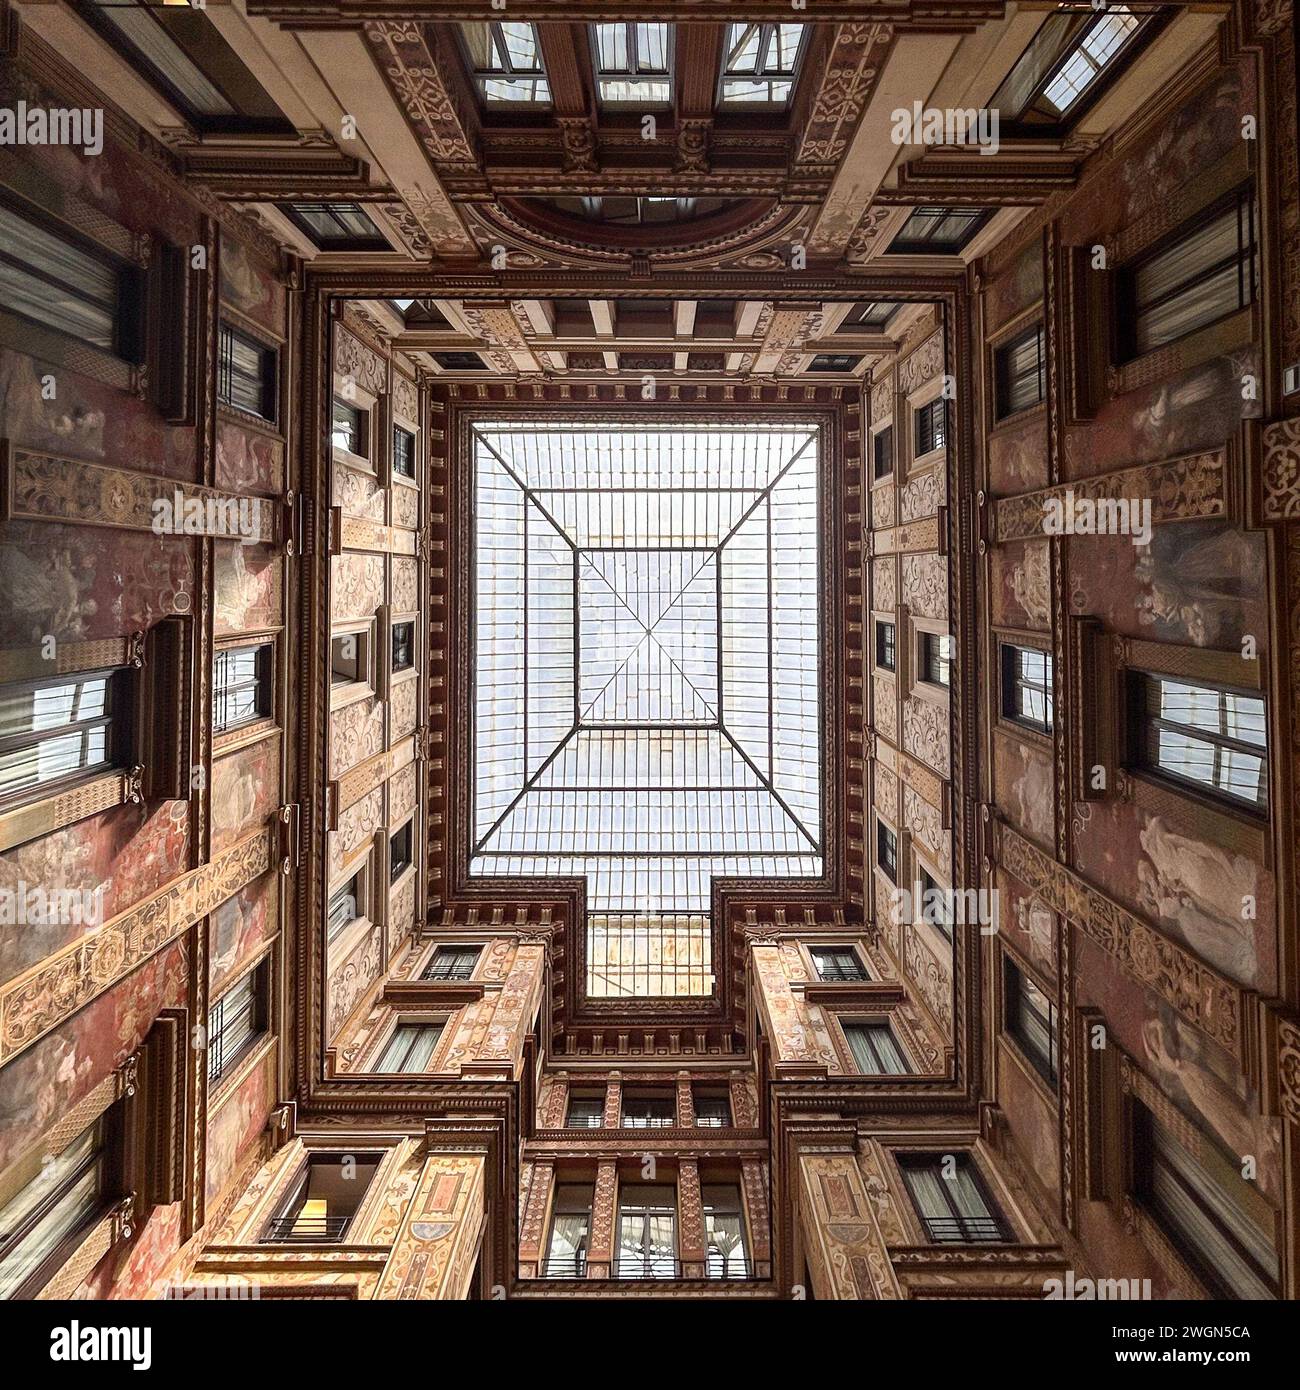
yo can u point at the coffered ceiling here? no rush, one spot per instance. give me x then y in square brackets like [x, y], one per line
[663, 155]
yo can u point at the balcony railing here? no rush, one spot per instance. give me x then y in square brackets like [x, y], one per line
[841, 974]
[306, 1230]
[570, 1266]
[732, 1266]
[631, 1266]
[581, 1120]
[968, 1230]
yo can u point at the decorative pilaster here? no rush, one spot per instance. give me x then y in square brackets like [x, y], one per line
[692, 1239]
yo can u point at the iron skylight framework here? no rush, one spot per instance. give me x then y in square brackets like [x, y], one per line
[647, 675]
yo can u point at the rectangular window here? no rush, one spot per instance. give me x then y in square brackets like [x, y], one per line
[246, 372]
[55, 731]
[836, 964]
[938, 231]
[632, 64]
[724, 1229]
[1205, 275]
[931, 426]
[1020, 373]
[401, 851]
[1030, 1018]
[585, 1112]
[337, 226]
[324, 1200]
[237, 1020]
[345, 906]
[936, 904]
[452, 963]
[886, 654]
[506, 61]
[1204, 736]
[410, 1049]
[936, 658]
[875, 1049]
[39, 1223]
[759, 65]
[188, 59]
[403, 452]
[649, 1112]
[351, 428]
[712, 1109]
[1027, 687]
[1220, 1222]
[883, 454]
[950, 1199]
[647, 1233]
[348, 665]
[53, 281]
[403, 646]
[241, 686]
[566, 1251]
[887, 850]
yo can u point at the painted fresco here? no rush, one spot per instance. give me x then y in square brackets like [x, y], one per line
[1195, 890]
[57, 1071]
[1015, 286]
[1025, 782]
[238, 928]
[236, 1120]
[245, 791]
[1022, 588]
[248, 461]
[251, 286]
[1017, 456]
[247, 587]
[119, 858]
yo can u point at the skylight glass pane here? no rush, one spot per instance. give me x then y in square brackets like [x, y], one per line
[742, 48]
[611, 43]
[521, 47]
[652, 47]
[647, 675]
[1102, 42]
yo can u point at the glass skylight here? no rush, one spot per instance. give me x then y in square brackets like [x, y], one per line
[646, 676]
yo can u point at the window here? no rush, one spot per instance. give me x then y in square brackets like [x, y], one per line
[241, 686]
[836, 964]
[237, 1020]
[1027, 687]
[507, 63]
[874, 314]
[887, 850]
[51, 280]
[346, 906]
[403, 647]
[632, 64]
[400, 851]
[647, 1233]
[724, 1229]
[54, 731]
[566, 1251]
[949, 1197]
[834, 362]
[246, 373]
[1204, 736]
[348, 665]
[649, 1112]
[452, 963]
[410, 1049]
[1020, 373]
[351, 428]
[586, 1112]
[1205, 275]
[760, 62]
[883, 454]
[403, 452]
[337, 226]
[875, 1049]
[938, 231]
[1030, 1018]
[936, 658]
[189, 60]
[935, 904]
[62, 1198]
[931, 426]
[886, 655]
[459, 361]
[1219, 1221]
[712, 1109]
[1057, 75]
[324, 1200]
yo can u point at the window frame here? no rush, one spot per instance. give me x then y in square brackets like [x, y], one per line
[760, 73]
[883, 830]
[297, 1195]
[852, 1024]
[861, 976]
[269, 357]
[1017, 984]
[1010, 681]
[929, 427]
[221, 1065]
[633, 71]
[647, 1099]
[263, 682]
[886, 644]
[881, 474]
[647, 1213]
[965, 1159]
[480, 76]
[346, 241]
[1004, 408]
[389, 1041]
[454, 975]
[929, 244]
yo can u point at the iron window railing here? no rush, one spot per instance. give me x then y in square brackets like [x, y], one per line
[570, 1265]
[971, 1230]
[307, 1230]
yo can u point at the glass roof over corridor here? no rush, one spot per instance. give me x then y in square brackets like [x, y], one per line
[646, 675]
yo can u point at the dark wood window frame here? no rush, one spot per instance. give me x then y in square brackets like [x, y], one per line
[929, 427]
[261, 683]
[226, 1012]
[887, 850]
[266, 379]
[1011, 680]
[1008, 374]
[882, 454]
[957, 1228]
[886, 644]
[280, 1227]
[1017, 1001]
